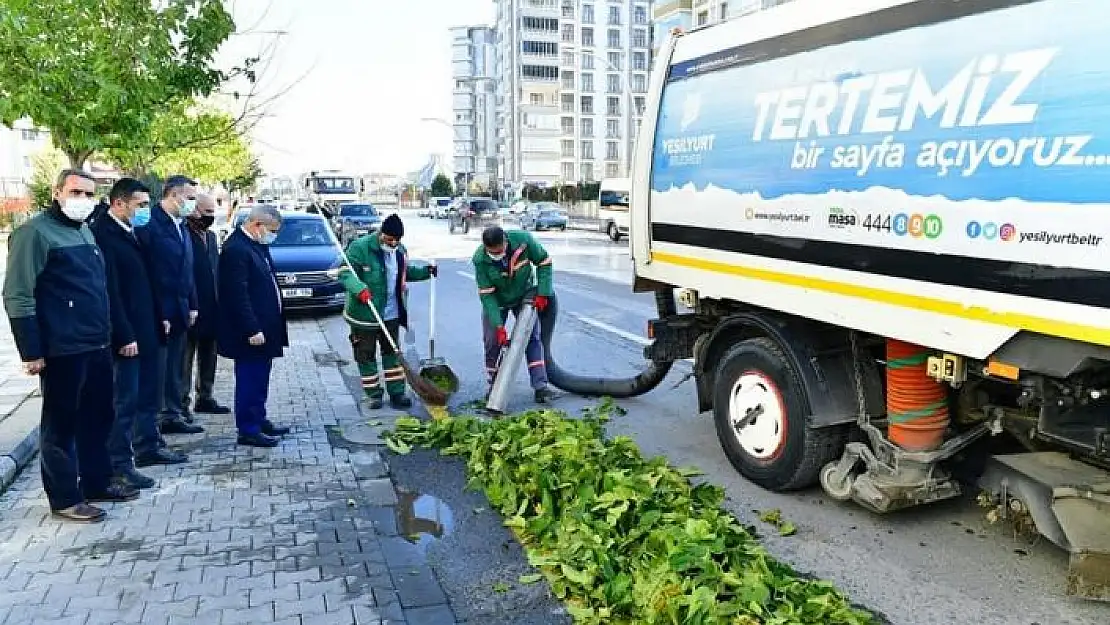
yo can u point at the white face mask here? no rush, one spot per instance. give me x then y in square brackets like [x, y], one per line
[267, 237]
[187, 207]
[78, 208]
[496, 257]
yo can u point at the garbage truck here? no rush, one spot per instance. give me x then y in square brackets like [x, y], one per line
[888, 222]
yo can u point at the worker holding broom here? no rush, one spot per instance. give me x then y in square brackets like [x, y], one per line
[508, 267]
[380, 276]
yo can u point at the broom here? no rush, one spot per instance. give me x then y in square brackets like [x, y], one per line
[429, 393]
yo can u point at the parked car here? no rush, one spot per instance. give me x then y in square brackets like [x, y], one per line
[354, 220]
[439, 207]
[307, 257]
[518, 208]
[544, 216]
[473, 213]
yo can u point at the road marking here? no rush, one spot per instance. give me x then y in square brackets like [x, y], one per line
[628, 336]
[468, 276]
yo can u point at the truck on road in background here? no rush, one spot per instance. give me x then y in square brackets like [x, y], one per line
[327, 189]
[894, 252]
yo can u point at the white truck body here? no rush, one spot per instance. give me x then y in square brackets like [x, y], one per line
[947, 195]
[826, 182]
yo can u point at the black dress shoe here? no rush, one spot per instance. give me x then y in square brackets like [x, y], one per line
[269, 429]
[187, 417]
[210, 406]
[177, 426]
[133, 478]
[161, 456]
[114, 493]
[400, 402]
[258, 440]
[544, 395]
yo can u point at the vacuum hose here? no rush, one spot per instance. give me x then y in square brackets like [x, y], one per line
[589, 386]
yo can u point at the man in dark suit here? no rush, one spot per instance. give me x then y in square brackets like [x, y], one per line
[201, 344]
[137, 337]
[166, 240]
[252, 329]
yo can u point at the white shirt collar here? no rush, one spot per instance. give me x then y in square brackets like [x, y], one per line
[122, 224]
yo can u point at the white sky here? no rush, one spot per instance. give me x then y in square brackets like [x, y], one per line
[372, 69]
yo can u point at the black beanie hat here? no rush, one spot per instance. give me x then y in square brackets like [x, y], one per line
[393, 227]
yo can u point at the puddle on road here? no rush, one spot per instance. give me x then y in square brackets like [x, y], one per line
[423, 519]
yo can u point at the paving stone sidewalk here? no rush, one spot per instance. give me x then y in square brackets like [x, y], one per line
[19, 408]
[304, 533]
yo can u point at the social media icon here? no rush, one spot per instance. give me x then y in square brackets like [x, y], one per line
[974, 229]
[1008, 232]
[990, 230]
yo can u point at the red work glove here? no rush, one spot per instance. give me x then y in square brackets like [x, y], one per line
[502, 336]
[540, 302]
[364, 297]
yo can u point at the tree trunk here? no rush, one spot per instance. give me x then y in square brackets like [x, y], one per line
[76, 157]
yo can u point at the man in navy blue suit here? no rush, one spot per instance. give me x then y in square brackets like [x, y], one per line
[166, 239]
[201, 345]
[137, 336]
[252, 329]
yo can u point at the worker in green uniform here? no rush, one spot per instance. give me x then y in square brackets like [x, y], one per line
[381, 275]
[508, 267]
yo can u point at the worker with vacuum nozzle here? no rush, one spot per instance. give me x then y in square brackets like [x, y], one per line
[381, 275]
[509, 267]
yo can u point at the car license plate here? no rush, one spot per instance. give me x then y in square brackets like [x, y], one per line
[296, 293]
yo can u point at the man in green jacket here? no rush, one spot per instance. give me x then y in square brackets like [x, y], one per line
[381, 273]
[507, 267]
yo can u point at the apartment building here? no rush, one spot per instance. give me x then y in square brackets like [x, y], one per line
[18, 146]
[474, 104]
[571, 82]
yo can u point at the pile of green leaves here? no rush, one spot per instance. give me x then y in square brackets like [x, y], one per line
[623, 539]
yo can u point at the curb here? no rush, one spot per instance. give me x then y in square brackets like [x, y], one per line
[19, 439]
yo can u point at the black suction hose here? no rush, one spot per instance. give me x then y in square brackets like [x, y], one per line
[589, 386]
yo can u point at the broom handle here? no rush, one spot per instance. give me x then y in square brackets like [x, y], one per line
[373, 309]
[432, 321]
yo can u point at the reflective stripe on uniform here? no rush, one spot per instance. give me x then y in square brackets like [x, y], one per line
[533, 365]
[392, 375]
[546, 261]
[487, 291]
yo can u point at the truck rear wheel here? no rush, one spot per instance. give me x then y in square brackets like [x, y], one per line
[755, 381]
[614, 232]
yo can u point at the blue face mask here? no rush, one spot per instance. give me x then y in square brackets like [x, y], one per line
[268, 237]
[141, 218]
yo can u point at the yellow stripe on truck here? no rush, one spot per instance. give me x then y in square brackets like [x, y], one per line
[1064, 329]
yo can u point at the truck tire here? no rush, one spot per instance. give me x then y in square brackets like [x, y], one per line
[614, 232]
[776, 450]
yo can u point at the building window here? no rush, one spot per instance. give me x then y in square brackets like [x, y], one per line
[587, 170]
[613, 106]
[587, 36]
[613, 128]
[587, 60]
[703, 18]
[587, 14]
[587, 83]
[26, 161]
[31, 134]
[568, 8]
[568, 171]
[639, 38]
[568, 58]
[539, 72]
[639, 85]
[587, 127]
[639, 15]
[540, 48]
[614, 61]
[567, 146]
[568, 80]
[568, 102]
[587, 105]
[540, 23]
[587, 149]
[567, 124]
[614, 38]
[613, 83]
[639, 61]
[614, 16]
[639, 104]
[535, 99]
[612, 170]
[724, 11]
[568, 33]
[611, 151]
